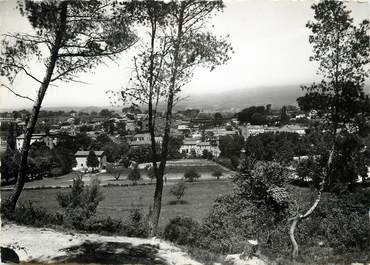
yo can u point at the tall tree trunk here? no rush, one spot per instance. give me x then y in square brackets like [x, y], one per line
[157, 203]
[22, 175]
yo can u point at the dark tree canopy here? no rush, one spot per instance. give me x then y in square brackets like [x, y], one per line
[92, 160]
[255, 115]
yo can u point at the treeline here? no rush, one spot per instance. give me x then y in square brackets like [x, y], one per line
[58, 113]
[264, 115]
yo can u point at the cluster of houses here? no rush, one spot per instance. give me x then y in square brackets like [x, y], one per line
[251, 130]
[198, 130]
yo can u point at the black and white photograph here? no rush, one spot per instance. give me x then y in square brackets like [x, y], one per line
[185, 132]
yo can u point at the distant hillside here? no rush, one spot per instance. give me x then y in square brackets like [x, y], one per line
[229, 100]
[234, 100]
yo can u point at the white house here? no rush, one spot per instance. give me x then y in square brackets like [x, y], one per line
[142, 139]
[249, 130]
[219, 132]
[81, 158]
[49, 140]
[189, 145]
[183, 126]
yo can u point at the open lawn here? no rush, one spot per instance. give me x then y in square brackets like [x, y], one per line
[119, 200]
[175, 170]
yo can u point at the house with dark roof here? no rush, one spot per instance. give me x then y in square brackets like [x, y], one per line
[81, 158]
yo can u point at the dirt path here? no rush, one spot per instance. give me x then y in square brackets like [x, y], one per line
[47, 245]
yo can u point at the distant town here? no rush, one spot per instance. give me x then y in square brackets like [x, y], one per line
[113, 136]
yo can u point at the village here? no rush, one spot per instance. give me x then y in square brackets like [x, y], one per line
[198, 133]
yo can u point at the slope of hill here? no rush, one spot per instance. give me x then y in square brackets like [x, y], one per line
[234, 100]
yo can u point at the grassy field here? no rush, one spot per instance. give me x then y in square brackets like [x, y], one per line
[118, 201]
[175, 170]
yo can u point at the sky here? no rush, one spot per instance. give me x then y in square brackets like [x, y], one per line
[269, 39]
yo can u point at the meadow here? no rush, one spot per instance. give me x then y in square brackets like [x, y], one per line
[119, 200]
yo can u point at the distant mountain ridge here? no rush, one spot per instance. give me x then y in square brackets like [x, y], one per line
[235, 100]
[238, 99]
[232, 100]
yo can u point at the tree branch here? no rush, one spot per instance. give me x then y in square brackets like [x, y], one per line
[15, 93]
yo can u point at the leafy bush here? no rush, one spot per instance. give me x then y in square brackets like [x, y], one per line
[182, 230]
[217, 174]
[260, 207]
[134, 175]
[56, 171]
[136, 224]
[255, 210]
[80, 203]
[191, 175]
[27, 214]
[98, 225]
[178, 190]
[115, 170]
[340, 222]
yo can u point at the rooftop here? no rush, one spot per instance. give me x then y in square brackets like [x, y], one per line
[86, 153]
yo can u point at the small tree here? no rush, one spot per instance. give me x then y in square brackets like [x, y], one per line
[191, 175]
[134, 174]
[178, 190]
[92, 160]
[115, 170]
[193, 154]
[217, 174]
[80, 203]
[150, 172]
[217, 119]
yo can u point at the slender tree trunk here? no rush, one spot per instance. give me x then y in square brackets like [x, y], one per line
[153, 219]
[157, 205]
[22, 175]
[292, 238]
[300, 217]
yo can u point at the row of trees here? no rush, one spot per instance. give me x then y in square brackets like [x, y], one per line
[263, 115]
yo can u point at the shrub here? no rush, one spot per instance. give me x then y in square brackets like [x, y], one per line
[27, 214]
[217, 174]
[80, 203]
[134, 174]
[136, 225]
[56, 171]
[178, 190]
[115, 170]
[182, 230]
[150, 172]
[256, 209]
[107, 224]
[340, 222]
[191, 175]
[260, 207]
